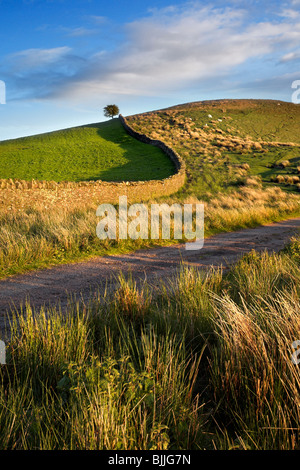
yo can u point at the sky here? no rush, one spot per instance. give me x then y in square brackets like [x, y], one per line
[62, 61]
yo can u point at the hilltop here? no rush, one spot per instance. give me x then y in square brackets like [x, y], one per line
[227, 143]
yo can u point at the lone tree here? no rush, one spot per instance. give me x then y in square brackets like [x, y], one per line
[111, 110]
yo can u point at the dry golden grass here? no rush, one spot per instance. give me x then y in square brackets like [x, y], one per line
[209, 146]
[36, 232]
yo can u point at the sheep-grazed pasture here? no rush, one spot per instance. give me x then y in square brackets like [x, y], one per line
[229, 143]
[102, 151]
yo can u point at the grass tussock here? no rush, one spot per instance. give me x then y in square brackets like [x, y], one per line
[84, 383]
[253, 374]
[206, 362]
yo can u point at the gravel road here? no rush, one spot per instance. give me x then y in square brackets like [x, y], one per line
[55, 285]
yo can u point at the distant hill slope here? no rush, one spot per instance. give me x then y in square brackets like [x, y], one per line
[261, 119]
[227, 143]
[98, 151]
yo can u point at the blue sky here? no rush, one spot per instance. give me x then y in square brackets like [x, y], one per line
[62, 61]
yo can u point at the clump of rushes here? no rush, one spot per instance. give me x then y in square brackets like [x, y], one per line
[253, 377]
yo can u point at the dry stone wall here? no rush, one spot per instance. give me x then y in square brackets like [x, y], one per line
[174, 156]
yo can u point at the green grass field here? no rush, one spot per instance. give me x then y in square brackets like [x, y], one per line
[100, 151]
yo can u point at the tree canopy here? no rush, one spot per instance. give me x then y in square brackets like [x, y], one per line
[111, 110]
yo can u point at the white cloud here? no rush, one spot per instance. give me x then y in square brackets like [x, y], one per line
[289, 13]
[172, 49]
[291, 56]
[175, 47]
[36, 73]
[32, 58]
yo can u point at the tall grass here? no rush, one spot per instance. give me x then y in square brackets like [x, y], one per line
[253, 375]
[34, 237]
[204, 363]
[84, 382]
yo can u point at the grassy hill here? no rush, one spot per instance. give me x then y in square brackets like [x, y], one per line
[226, 143]
[98, 151]
[233, 160]
[203, 361]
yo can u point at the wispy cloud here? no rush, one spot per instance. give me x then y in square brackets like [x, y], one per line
[290, 57]
[289, 13]
[97, 19]
[34, 73]
[78, 32]
[176, 46]
[31, 58]
[68, 31]
[172, 48]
